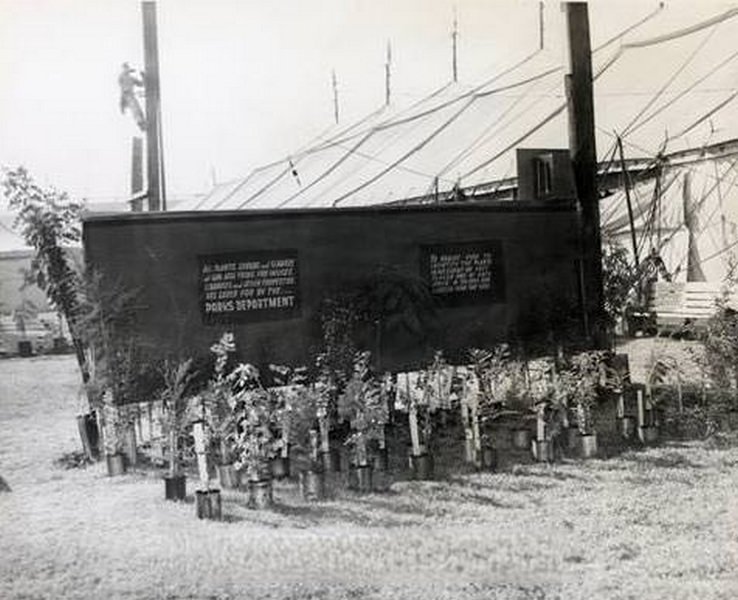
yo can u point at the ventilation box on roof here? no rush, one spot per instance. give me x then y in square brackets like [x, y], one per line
[545, 175]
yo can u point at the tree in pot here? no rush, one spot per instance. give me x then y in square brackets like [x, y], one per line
[305, 440]
[289, 388]
[365, 407]
[411, 393]
[175, 421]
[218, 401]
[586, 372]
[257, 413]
[491, 383]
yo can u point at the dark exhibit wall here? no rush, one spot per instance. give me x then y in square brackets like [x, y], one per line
[490, 271]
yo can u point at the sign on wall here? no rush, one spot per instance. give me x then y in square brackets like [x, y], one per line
[249, 286]
[465, 273]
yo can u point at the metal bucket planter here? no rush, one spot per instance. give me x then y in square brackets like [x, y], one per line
[360, 478]
[175, 487]
[648, 435]
[421, 466]
[627, 427]
[260, 494]
[208, 505]
[543, 450]
[588, 445]
[331, 460]
[116, 464]
[521, 438]
[229, 477]
[312, 484]
[280, 467]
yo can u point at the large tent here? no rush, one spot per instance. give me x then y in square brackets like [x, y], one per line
[680, 103]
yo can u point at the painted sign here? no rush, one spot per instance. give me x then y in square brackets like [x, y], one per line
[466, 273]
[249, 286]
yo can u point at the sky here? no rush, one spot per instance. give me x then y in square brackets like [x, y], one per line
[245, 82]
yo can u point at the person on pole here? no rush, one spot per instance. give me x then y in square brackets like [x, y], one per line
[128, 82]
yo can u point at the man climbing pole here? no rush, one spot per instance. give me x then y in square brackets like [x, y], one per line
[128, 82]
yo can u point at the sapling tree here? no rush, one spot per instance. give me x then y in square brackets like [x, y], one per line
[364, 405]
[50, 223]
[177, 382]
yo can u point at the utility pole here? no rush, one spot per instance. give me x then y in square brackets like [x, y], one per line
[583, 154]
[154, 158]
[387, 67]
[454, 48]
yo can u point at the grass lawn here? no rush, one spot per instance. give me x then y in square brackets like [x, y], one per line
[657, 523]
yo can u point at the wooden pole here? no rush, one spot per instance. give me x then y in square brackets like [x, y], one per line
[151, 86]
[583, 154]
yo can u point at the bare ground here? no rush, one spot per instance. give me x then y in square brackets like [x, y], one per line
[656, 523]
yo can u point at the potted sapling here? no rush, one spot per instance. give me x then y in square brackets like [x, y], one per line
[364, 406]
[616, 378]
[411, 393]
[586, 373]
[305, 439]
[290, 385]
[519, 402]
[487, 388]
[218, 401]
[175, 404]
[325, 390]
[257, 443]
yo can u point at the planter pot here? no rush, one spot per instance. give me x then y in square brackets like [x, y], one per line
[280, 467]
[116, 464]
[312, 485]
[488, 458]
[421, 466]
[543, 450]
[260, 494]
[648, 435]
[175, 487]
[25, 349]
[380, 460]
[331, 460]
[627, 427]
[207, 504]
[360, 478]
[588, 445]
[521, 439]
[229, 477]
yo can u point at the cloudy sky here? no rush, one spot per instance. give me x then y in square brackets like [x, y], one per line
[245, 82]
